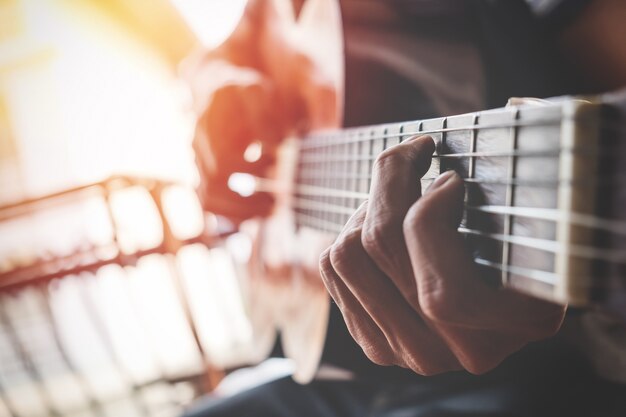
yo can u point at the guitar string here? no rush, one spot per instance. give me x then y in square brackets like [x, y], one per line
[536, 274]
[305, 190]
[348, 136]
[548, 153]
[546, 277]
[582, 182]
[587, 152]
[544, 245]
[588, 221]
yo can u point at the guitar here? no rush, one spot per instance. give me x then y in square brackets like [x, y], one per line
[544, 208]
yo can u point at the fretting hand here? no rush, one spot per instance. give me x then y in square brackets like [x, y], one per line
[406, 283]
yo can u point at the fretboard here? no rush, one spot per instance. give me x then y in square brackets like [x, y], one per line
[530, 206]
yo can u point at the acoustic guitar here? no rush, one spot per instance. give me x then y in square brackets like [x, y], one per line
[545, 208]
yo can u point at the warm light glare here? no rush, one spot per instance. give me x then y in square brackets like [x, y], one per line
[86, 94]
[211, 20]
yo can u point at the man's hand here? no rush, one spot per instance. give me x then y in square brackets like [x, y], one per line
[257, 87]
[406, 283]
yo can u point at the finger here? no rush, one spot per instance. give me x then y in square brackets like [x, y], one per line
[216, 197]
[449, 288]
[239, 114]
[412, 342]
[360, 325]
[223, 165]
[395, 187]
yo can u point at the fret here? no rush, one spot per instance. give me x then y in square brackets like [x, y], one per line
[341, 181]
[353, 167]
[534, 139]
[370, 153]
[394, 134]
[378, 141]
[458, 145]
[442, 145]
[435, 166]
[472, 161]
[471, 170]
[506, 246]
[326, 216]
[336, 166]
[363, 171]
[350, 168]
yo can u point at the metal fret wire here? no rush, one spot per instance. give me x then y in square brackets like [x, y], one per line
[508, 221]
[321, 139]
[473, 139]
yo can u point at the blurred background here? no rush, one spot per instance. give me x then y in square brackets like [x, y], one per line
[114, 298]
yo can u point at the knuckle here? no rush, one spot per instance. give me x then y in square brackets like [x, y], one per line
[431, 365]
[421, 367]
[373, 238]
[426, 370]
[326, 267]
[346, 250]
[382, 239]
[389, 158]
[479, 365]
[377, 354]
[438, 306]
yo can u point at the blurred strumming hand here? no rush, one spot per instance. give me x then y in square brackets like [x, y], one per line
[259, 86]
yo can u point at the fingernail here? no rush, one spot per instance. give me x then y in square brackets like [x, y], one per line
[443, 179]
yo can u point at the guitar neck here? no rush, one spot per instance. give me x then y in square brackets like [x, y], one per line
[531, 204]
